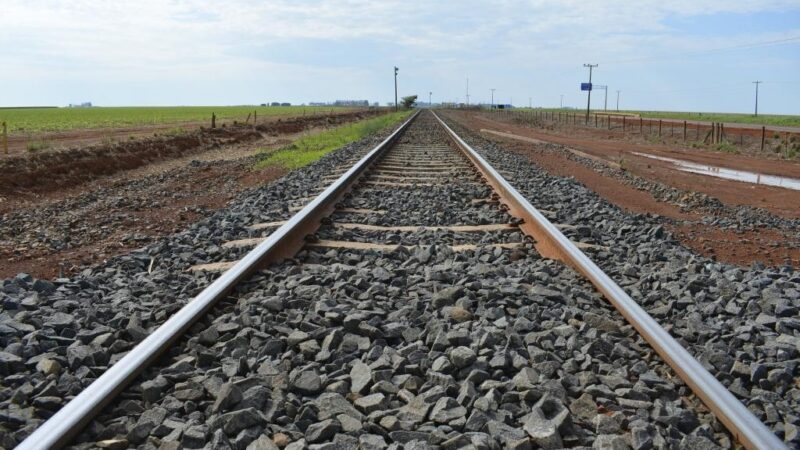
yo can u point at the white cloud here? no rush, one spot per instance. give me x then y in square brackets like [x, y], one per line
[155, 40]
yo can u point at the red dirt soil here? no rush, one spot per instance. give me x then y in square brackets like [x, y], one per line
[17, 143]
[779, 201]
[772, 247]
[29, 175]
[99, 216]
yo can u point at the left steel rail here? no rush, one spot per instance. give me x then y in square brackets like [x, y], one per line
[57, 431]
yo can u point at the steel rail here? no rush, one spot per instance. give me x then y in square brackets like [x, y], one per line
[284, 242]
[742, 424]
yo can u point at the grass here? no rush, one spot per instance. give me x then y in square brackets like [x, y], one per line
[310, 148]
[35, 146]
[762, 119]
[769, 119]
[36, 120]
[726, 147]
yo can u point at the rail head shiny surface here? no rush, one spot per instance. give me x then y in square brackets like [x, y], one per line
[742, 424]
[70, 420]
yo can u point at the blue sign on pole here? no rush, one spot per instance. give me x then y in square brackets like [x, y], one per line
[586, 86]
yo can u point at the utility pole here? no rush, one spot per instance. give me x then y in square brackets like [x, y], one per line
[395, 87]
[757, 83]
[430, 105]
[589, 96]
[467, 91]
[617, 101]
[562, 101]
[492, 89]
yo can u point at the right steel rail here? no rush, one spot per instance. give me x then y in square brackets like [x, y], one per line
[744, 426]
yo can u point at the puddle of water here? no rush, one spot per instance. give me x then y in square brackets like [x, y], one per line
[729, 174]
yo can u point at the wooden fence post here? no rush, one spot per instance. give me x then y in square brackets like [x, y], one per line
[255, 117]
[5, 137]
[684, 131]
[640, 125]
[595, 120]
[659, 127]
[213, 120]
[623, 124]
[763, 136]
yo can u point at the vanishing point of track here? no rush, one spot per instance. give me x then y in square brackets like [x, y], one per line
[412, 158]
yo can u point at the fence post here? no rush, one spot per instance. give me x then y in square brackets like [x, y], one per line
[5, 137]
[763, 136]
[595, 120]
[684, 131]
[623, 124]
[640, 125]
[255, 117]
[659, 127]
[213, 120]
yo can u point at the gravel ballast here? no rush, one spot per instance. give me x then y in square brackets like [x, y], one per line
[416, 348]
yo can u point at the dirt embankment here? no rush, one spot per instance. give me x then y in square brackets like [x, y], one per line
[149, 189]
[43, 172]
[706, 231]
[597, 143]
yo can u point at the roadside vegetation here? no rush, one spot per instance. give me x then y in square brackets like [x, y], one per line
[35, 146]
[310, 148]
[762, 119]
[35, 120]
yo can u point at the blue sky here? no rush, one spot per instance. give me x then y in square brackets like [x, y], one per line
[662, 55]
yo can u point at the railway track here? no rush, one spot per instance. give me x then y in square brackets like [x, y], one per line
[418, 297]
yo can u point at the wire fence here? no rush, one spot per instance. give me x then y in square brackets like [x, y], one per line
[692, 133]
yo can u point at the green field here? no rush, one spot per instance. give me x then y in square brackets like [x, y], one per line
[310, 148]
[36, 120]
[762, 119]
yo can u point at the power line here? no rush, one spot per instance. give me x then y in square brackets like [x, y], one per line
[706, 51]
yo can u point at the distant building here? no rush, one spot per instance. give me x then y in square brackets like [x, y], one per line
[81, 105]
[275, 104]
[286, 104]
[351, 103]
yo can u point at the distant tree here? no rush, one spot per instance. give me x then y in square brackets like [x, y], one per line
[408, 102]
